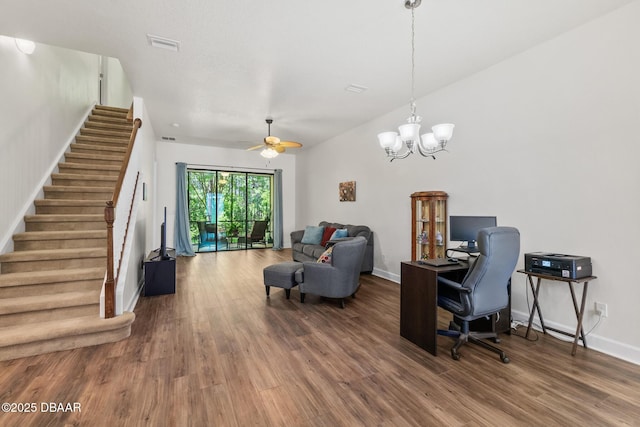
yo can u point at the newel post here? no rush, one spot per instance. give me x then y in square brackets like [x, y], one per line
[109, 288]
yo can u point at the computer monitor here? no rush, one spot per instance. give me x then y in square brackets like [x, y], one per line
[465, 229]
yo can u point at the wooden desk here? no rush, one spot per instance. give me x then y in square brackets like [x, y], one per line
[579, 334]
[419, 301]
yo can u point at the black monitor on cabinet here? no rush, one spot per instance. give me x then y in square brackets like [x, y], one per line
[465, 229]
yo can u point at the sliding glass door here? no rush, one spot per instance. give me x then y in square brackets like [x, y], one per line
[230, 210]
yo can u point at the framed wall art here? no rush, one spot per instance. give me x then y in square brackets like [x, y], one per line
[347, 191]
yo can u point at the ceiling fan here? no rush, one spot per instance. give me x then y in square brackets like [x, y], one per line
[272, 145]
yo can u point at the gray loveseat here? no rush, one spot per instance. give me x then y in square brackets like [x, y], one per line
[306, 252]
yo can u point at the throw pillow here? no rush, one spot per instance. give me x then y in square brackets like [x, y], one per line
[340, 233]
[325, 258]
[326, 236]
[312, 235]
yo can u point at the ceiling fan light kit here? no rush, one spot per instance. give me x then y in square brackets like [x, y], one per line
[272, 145]
[268, 153]
[408, 135]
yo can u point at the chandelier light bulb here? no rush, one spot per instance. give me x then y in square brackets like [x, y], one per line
[387, 139]
[443, 132]
[397, 146]
[409, 132]
[429, 142]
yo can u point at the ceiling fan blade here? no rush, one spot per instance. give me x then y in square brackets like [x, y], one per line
[271, 140]
[256, 147]
[290, 144]
[279, 148]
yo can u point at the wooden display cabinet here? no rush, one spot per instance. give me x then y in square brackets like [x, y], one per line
[428, 225]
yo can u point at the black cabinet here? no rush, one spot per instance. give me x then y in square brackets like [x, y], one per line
[159, 274]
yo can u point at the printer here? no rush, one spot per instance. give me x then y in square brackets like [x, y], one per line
[559, 265]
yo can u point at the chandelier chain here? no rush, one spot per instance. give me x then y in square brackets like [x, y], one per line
[413, 62]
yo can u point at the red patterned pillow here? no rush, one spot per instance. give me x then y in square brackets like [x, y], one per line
[326, 236]
[325, 258]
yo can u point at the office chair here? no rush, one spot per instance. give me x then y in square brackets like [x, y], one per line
[483, 291]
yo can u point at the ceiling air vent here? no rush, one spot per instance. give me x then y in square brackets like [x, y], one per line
[355, 88]
[163, 43]
[168, 138]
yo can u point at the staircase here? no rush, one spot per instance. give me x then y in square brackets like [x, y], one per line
[50, 285]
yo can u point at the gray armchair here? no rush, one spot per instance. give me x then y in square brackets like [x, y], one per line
[339, 279]
[483, 291]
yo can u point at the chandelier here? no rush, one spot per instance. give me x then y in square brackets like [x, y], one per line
[409, 134]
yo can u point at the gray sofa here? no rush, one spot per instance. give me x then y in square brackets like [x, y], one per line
[302, 252]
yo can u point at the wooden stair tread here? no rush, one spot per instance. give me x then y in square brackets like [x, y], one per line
[48, 301]
[104, 139]
[105, 132]
[109, 112]
[64, 218]
[70, 202]
[43, 331]
[109, 120]
[102, 112]
[112, 178]
[60, 235]
[94, 168]
[122, 110]
[75, 188]
[51, 276]
[108, 126]
[92, 156]
[95, 147]
[53, 254]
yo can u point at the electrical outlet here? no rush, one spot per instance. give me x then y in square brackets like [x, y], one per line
[601, 309]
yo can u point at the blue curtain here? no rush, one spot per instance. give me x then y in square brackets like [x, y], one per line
[277, 209]
[182, 238]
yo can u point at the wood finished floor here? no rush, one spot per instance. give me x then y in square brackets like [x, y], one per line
[218, 353]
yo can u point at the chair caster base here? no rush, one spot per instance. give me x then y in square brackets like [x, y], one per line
[504, 358]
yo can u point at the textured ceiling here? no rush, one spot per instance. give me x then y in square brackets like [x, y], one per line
[241, 61]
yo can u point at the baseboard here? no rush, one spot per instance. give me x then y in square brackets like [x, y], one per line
[386, 275]
[136, 296]
[598, 343]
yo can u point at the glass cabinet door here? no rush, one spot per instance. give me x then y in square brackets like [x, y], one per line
[422, 227]
[440, 227]
[428, 224]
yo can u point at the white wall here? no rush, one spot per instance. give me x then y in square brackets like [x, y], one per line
[143, 237]
[117, 92]
[168, 153]
[547, 141]
[44, 97]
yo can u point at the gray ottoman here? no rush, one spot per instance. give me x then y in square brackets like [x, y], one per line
[281, 275]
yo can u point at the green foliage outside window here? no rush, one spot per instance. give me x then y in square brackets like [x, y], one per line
[232, 200]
